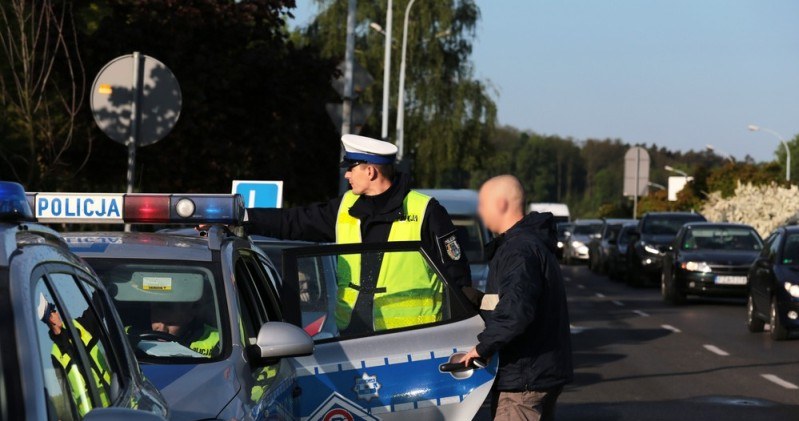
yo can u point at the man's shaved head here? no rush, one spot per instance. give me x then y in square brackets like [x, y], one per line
[501, 202]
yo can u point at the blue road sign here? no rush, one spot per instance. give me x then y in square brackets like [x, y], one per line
[260, 193]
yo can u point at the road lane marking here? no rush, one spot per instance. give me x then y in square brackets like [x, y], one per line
[618, 303]
[780, 382]
[581, 286]
[716, 350]
[600, 295]
[641, 313]
[577, 329]
[671, 328]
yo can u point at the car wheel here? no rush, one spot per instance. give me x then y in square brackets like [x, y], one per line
[778, 331]
[669, 292]
[754, 323]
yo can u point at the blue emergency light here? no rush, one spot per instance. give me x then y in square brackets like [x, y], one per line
[13, 203]
[137, 208]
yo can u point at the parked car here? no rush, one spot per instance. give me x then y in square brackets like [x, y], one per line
[655, 232]
[709, 259]
[563, 233]
[599, 247]
[617, 253]
[576, 249]
[773, 283]
[472, 235]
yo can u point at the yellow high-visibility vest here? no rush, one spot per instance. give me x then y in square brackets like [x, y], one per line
[408, 291]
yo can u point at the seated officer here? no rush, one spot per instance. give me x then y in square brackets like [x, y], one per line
[180, 320]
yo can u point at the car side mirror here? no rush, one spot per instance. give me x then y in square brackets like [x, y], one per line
[121, 414]
[278, 340]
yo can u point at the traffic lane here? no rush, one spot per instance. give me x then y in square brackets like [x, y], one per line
[629, 349]
[718, 321]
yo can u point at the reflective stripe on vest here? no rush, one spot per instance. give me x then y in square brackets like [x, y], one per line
[100, 370]
[78, 388]
[408, 291]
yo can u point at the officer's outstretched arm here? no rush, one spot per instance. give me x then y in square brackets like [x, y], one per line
[315, 222]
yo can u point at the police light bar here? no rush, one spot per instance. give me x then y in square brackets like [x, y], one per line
[137, 208]
[13, 204]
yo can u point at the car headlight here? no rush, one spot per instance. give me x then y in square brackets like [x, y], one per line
[577, 244]
[560, 244]
[792, 289]
[697, 267]
[650, 248]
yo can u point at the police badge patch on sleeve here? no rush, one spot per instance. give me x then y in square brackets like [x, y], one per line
[448, 247]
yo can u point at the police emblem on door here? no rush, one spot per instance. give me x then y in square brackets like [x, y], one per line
[453, 248]
[366, 387]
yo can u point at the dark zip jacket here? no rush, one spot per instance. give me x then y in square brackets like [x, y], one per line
[529, 324]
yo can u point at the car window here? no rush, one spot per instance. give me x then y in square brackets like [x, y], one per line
[790, 253]
[587, 229]
[66, 386]
[361, 294]
[774, 247]
[470, 235]
[104, 368]
[721, 238]
[263, 284]
[171, 309]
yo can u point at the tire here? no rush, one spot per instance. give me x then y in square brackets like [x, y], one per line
[753, 323]
[778, 331]
[669, 292]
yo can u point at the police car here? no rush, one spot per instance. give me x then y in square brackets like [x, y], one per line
[233, 358]
[64, 353]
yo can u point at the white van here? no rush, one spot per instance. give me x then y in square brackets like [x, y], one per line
[559, 210]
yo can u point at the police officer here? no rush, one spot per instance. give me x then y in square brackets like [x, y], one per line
[378, 291]
[179, 320]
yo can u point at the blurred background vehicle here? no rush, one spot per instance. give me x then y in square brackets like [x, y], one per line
[773, 283]
[559, 210]
[599, 247]
[563, 233]
[709, 259]
[617, 253]
[655, 232]
[583, 231]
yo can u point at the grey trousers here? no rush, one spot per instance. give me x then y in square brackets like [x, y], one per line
[526, 406]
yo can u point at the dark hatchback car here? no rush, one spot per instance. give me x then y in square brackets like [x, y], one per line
[655, 233]
[599, 249]
[774, 285]
[617, 254]
[709, 259]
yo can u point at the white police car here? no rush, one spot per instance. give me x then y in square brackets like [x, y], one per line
[64, 354]
[252, 365]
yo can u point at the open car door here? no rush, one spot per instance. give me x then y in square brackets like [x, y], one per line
[381, 372]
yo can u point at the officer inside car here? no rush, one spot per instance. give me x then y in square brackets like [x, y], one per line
[379, 207]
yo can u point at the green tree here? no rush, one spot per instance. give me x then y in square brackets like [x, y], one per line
[449, 115]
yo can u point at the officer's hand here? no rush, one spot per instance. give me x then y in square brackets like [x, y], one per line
[467, 359]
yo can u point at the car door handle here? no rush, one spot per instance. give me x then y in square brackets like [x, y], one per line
[459, 367]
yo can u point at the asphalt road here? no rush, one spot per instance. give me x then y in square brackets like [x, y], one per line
[637, 358]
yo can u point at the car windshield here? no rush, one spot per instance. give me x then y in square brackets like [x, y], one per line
[624, 235]
[587, 229]
[471, 236]
[170, 309]
[668, 225]
[722, 238]
[790, 251]
[612, 231]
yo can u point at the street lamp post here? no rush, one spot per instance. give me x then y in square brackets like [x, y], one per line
[756, 128]
[675, 170]
[725, 155]
[387, 71]
[401, 94]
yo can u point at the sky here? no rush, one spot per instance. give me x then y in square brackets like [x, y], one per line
[682, 74]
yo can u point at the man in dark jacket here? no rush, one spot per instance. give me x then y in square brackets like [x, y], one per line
[380, 207]
[527, 320]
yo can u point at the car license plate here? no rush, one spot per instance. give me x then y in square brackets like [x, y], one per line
[731, 280]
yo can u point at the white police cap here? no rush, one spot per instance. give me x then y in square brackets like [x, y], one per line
[365, 149]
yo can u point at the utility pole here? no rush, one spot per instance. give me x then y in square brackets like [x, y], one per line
[387, 71]
[349, 65]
